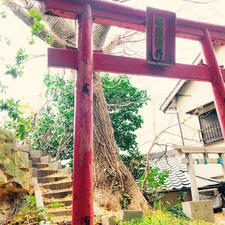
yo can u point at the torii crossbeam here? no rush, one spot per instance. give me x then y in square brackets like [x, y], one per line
[85, 61]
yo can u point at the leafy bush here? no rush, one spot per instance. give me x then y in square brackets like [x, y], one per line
[155, 184]
[125, 201]
[177, 211]
[28, 213]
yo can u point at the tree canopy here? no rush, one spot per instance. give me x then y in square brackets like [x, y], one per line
[53, 131]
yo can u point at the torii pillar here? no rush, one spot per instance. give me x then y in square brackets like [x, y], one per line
[82, 210]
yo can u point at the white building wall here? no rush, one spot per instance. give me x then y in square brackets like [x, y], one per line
[194, 95]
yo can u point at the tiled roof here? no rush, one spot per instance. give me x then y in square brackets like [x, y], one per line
[178, 178]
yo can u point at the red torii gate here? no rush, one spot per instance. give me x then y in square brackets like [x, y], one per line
[86, 61]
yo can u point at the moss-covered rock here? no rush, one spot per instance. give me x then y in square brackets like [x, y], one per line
[5, 149]
[21, 160]
[15, 175]
[6, 136]
[3, 178]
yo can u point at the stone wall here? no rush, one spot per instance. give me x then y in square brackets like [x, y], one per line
[7, 207]
[15, 176]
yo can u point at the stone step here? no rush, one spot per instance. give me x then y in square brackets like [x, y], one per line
[35, 160]
[45, 159]
[62, 220]
[58, 186]
[36, 154]
[65, 223]
[45, 180]
[56, 165]
[66, 212]
[57, 194]
[44, 173]
[39, 165]
[66, 202]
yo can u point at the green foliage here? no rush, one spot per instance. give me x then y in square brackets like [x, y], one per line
[55, 205]
[29, 213]
[156, 179]
[54, 127]
[55, 123]
[49, 39]
[19, 121]
[16, 70]
[11, 106]
[30, 202]
[21, 56]
[6, 39]
[2, 88]
[180, 196]
[124, 101]
[177, 210]
[125, 201]
[135, 162]
[38, 27]
[22, 126]
[163, 218]
[155, 184]
[3, 14]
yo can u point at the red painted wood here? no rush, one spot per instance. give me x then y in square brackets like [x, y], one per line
[61, 58]
[216, 79]
[82, 207]
[126, 65]
[118, 15]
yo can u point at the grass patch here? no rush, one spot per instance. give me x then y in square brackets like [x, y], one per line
[159, 217]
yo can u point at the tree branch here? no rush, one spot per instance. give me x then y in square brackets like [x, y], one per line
[22, 14]
[108, 86]
[125, 104]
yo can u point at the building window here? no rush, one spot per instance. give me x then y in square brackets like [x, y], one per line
[210, 127]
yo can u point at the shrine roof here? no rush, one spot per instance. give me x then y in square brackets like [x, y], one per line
[179, 178]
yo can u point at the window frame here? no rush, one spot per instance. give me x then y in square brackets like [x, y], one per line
[211, 133]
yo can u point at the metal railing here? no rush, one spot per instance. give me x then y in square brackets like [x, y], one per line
[211, 133]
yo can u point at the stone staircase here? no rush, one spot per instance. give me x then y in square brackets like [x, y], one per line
[53, 191]
[53, 187]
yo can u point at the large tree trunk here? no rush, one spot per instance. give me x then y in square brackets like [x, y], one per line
[111, 177]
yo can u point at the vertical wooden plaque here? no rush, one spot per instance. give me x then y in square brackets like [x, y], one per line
[161, 37]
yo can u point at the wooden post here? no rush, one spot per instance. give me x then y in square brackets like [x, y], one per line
[82, 206]
[206, 155]
[222, 156]
[216, 78]
[191, 171]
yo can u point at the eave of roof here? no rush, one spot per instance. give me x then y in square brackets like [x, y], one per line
[171, 95]
[194, 111]
[176, 89]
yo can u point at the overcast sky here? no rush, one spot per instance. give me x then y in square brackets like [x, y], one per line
[30, 85]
